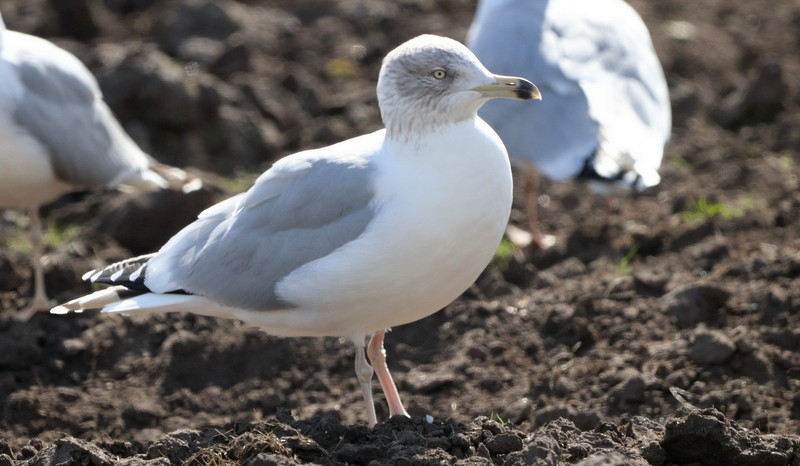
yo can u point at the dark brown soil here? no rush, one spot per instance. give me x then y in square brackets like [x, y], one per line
[667, 332]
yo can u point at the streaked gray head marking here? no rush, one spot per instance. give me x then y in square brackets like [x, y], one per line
[430, 81]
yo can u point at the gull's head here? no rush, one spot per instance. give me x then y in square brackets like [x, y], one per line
[431, 81]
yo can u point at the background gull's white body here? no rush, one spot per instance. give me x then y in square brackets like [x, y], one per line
[605, 117]
[58, 135]
[76, 115]
[606, 100]
[27, 172]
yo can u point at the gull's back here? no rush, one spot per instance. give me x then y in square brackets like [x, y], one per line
[605, 112]
[58, 133]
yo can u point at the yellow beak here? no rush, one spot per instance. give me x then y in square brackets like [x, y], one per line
[510, 87]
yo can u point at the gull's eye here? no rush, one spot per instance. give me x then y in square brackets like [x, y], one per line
[439, 74]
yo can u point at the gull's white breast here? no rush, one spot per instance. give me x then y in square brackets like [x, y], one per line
[26, 172]
[444, 203]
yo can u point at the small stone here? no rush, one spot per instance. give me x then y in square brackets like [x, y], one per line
[438, 442]
[199, 49]
[407, 437]
[504, 443]
[756, 366]
[632, 389]
[519, 410]
[760, 100]
[213, 19]
[686, 100]
[483, 451]
[586, 420]
[542, 449]
[564, 386]
[773, 302]
[543, 416]
[651, 280]
[690, 233]
[76, 18]
[73, 346]
[709, 347]
[459, 440]
[18, 354]
[558, 317]
[696, 303]
[348, 453]
[234, 59]
[568, 268]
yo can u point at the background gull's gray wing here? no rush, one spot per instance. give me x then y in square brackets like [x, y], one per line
[62, 107]
[507, 38]
[604, 91]
[303, 208]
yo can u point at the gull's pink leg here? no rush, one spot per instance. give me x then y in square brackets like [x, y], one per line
[377, 356]
[364, 375]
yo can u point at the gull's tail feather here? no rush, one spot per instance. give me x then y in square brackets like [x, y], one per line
[610, 169]
[118, 299]
[128, 293]
[127, 280]
[155, 302]
[97, 300]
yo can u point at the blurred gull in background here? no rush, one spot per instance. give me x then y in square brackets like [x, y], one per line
[605, 116]
[58, 135]
[351, 239]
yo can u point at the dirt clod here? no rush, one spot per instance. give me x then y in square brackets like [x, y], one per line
[686, 295]
[711, 347]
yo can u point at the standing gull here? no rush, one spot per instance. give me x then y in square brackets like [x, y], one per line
[58, 135]
[606, 117]
[351, 239]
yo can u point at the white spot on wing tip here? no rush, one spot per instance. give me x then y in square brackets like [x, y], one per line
[88, 274]
[116, 275]
[59, 310]
[96, 276]
[135, 275]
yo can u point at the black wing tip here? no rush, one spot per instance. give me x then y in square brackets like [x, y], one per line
[129, 273]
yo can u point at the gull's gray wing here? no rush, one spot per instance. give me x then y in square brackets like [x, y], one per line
[605, 97]
[305, 207]
[62, 107]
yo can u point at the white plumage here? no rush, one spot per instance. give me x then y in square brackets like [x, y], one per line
[351, 239]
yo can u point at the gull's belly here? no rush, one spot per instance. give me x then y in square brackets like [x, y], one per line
[398, 272]
[26, 175]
